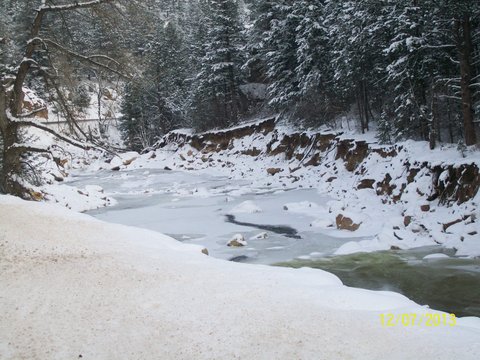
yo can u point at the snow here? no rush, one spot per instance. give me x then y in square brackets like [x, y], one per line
[71, 285]
[237, 240]
[248, 207]
[382, 220]
[436, 256]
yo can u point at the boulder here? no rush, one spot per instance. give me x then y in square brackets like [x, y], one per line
[366, 184]
[129, 161]
[261, 236]
[273, 171]
[237, 241]
[345, 223]
[425, 208]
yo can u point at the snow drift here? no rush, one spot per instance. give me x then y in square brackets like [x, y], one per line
[72, 286]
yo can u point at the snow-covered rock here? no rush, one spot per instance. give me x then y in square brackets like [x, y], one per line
[260, 236]
[237, 241]
[248, 207]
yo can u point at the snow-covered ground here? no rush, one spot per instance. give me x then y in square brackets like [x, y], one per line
[72, 286]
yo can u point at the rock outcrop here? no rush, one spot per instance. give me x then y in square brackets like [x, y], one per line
[450, 183]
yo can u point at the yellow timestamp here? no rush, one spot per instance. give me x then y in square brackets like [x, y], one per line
[413, 319]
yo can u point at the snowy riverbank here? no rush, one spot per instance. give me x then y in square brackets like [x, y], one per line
[71, 286]
[397, 197]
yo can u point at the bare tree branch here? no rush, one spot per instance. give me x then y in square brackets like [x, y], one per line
[33, 112]
[21, 149]
[23, 69]
[53, 132]
[88, 59]
[75, 5]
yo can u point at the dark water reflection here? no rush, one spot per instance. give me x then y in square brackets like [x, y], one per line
[451, 284]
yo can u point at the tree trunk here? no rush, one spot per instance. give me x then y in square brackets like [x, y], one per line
[464, 45]
[11, 159]
[361, 105]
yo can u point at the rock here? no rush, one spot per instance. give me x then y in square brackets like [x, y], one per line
[393, 247]
[407, 220]
[330, 179]
[57, 178]
[366, 184]
[384, 187]
[115, 168]
[252, 152]
[182, 157]
[425, 208]
[285, 207]
[237, 241]
[36, 196]
[273, 171]
[205, 251]
[314, 161]
[451, 223]
[167, 168]
[241, 258]
[261, 236]
[345, 223]
[129, 161]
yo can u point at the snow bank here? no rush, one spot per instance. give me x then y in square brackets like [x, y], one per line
[72, 286]
[389, 197]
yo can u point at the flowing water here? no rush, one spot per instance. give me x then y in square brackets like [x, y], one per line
[199, 209]
[448, 284]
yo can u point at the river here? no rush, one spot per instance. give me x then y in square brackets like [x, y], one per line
[209, 210]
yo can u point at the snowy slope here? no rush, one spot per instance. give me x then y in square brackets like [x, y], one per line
[73, 287]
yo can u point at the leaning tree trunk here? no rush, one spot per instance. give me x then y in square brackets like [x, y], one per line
[11, 102]
[464, 44]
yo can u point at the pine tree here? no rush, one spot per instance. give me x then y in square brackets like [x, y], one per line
[313, 72]
[356, 31]
[216, 101]
[262, 12]
[281, 56]
[154, 104]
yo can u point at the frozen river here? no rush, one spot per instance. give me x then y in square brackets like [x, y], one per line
[208, 210]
